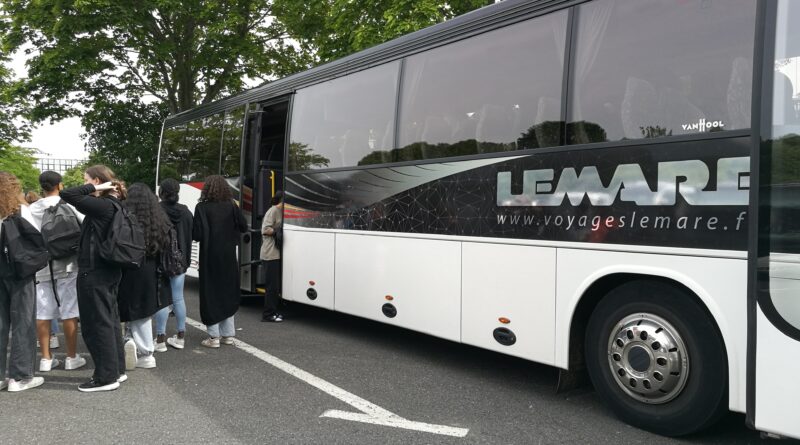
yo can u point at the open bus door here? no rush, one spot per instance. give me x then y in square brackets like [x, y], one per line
[773, 391]
[262, 170]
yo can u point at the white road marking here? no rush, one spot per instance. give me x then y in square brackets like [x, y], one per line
[369, 412]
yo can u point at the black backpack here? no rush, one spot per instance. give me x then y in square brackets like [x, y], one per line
[173, 262]
[124, 244]
[61, 230]
[23, 249]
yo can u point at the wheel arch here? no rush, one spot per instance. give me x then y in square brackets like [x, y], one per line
[595, 287]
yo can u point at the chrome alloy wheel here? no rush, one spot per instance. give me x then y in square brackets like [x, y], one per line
[648, 358]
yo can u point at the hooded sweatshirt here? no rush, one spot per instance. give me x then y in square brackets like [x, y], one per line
[61, 267]
[182, 220]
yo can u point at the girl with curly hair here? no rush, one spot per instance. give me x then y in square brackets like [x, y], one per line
[17, 300]
[145, 291]
[218, 225]
[98, 280]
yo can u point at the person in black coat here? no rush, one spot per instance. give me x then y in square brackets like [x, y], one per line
[218, 223]
[146, 290]
[98, 280]
[181, 219]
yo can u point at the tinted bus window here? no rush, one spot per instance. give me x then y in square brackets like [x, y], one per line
[650, 68]
[173, 162]
[232, 142]
[780, 173]
[340, 122]
[204, 139]
[499, 91]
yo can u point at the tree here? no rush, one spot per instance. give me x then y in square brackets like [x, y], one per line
[20, 161]
[12, 108]
[124, 135]
[335, 28]
[183, 52]
[74, 175]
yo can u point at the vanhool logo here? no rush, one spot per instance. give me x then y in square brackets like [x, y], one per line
[688, 178]
[703, 125]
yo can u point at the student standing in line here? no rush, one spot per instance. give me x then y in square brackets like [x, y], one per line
[31, 197]
[56, 291]
[218, 223]
[144, 291]
[98, 280]
[271, 254]
[17, 302]
[181, 219]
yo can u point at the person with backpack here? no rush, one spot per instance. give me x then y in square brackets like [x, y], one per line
[98, 278]
[218, 225]
[181, 219]
[56, 290]
[22, 253]
[272, 236]
[146, 290]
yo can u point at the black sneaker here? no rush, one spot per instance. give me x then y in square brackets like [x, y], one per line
[95, 386]
[274, 318]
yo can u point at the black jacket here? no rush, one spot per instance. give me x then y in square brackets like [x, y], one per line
[99, 215]
[218, 227]
[181, 219]
[144, 291]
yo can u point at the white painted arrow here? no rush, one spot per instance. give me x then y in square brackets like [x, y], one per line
[369, 412]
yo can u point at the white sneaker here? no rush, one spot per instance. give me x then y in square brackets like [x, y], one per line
[3, 384]
[226, 340]
[160, 347]
[130, 355]
[122, 378]
[74, 362]
[210, 342]
[54, 342]
[176, 342]
[146, 362]
[22, 385]
[45, 365]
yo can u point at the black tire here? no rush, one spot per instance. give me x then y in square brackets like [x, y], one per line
[703, 399]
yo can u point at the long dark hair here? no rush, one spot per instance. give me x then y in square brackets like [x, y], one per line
[155, 224]
[216, 189]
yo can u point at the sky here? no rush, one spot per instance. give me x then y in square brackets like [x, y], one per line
[60, 140]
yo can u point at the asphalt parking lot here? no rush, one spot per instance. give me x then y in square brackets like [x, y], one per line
[322, 377]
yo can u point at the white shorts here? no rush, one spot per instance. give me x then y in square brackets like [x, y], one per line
[46, 306]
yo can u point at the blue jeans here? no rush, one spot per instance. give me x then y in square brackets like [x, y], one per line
[178, 306]
[224, 327]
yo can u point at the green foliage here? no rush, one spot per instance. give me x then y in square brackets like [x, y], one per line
[336, 28]
[21, 162]
[124, 136]
[12, 108]
[74, 175]
[183, 52]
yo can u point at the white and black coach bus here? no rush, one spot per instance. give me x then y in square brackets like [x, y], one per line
[605, 186]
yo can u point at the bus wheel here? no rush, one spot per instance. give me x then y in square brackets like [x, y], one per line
[656, 358]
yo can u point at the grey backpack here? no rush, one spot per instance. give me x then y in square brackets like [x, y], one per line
[61, 230]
